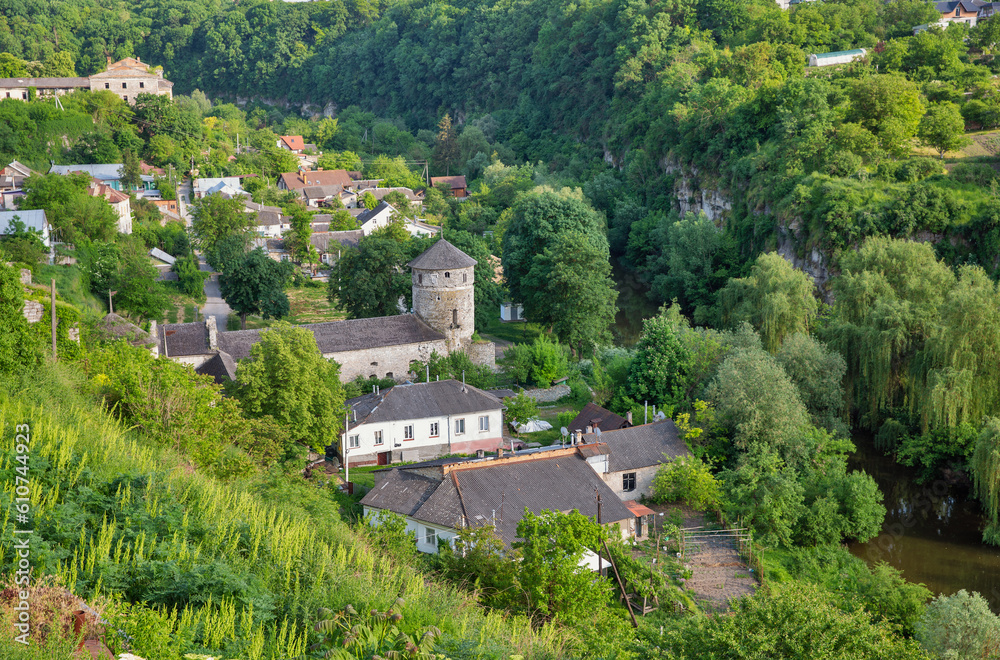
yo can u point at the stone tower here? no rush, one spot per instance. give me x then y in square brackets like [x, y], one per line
[443, 294]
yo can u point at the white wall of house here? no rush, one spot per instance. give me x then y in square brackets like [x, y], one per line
[427, 534]
[511, 312]
[461, 434]
[379, 220]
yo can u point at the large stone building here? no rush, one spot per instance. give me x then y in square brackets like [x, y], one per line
[442, 321]
[126, 78]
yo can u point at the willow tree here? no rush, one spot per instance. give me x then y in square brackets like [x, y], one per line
[985, 466]
[888, 302]
[956, 377]
[775, 298]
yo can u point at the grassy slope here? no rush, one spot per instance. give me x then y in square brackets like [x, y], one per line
[148, 510]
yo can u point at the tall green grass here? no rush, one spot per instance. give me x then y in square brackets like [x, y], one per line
[238, 567]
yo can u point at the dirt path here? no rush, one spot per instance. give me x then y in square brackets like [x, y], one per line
[718, 574]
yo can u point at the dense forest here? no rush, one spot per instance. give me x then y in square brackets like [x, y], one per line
[591, 135]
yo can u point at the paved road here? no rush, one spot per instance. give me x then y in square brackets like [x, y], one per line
[214, 305]
[184, 194]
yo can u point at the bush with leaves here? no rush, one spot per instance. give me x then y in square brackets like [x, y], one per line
[960, 626]
[348, 635]
[520, 409]
[388, 532]
[687, 479]
[549, 360]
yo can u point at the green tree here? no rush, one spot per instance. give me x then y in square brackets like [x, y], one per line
[131, 172]
[190, 279]
[12, 67]
[756, 400]
[214, 217]
[255, 284]
[571, 281]
[537, 224]
[818, 374]
[20, 349]
[446, 149]
[687, 479]
[75, 216]
[298, 239]
[960, 626]
[124, 267]
[340, 160]
[21, 244]
[943, 128]
[889, 106]
[371, 280]
[766, 494]
[985, 35]
[659, 371]
[985, 468]
[520, 409]
[550, 573]
[394, 172]
[288, 378]
[775, 298]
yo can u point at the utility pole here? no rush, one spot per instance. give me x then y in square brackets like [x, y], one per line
[111, 307]
[600, 560]
[53, 306]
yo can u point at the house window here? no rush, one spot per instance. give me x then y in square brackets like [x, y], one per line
[388, 374]
[459, 426]
[958, 11]
[354, 441]
[125, 98]
[434, 429]
[378, 437]
[142, 85]
[107, 85]
[430, 536]
[408, 432]
[24, 95]
[447, 274]
[628, 482]
[124, 85]
[484, 423]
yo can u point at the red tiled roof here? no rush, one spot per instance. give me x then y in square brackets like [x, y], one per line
[299, 180]
[294, 142]
[455, 182]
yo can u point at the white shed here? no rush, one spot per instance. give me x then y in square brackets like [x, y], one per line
[838, 57]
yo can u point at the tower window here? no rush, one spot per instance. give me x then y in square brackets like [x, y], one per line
[447, 274]
[465, 277]
[454, 317]
[124, 85]
[420, 279]
[107, 85]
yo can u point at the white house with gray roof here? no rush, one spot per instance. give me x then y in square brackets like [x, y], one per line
[437, 498]
[110, 174]
[421, 421]
[33, 220]
[634, 456]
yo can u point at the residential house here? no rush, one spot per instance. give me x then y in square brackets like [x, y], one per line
[126, 78]
[330, 244]
[299, 180]
[380, 193]
[838, 57]
[109, 174]
[113, 326]
[33, 220]
[119, 201]
[293, 143]
[322, 195]
[421, 421]
[456, 184]
[438, 498]
[376, 218]
[221, 367]
[275, 248]
[960, 11]
[228, 187]
[271, 223]
[634, 455]
[595, 417]
[511, 312]
[169, 209]
[13, 175]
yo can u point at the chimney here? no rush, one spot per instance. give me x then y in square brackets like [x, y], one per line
[79, 618]
[213, 333]
[590, 429]
[628, 417]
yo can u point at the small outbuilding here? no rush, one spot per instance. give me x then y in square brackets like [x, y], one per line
[837, 57]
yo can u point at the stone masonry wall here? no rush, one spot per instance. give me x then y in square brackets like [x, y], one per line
[385, 360]
[483, 352]
[33, 311]
[441, 301]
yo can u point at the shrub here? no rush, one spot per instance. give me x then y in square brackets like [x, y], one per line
[686, 478]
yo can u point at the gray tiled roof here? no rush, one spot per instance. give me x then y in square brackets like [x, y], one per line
[368, 214]
[331, 241]
[502, 488]
[322, 192]
[594, 415]
[641, 446]
[45, 83]
[221, 367]
[400, 492]
[113, 326]
[442, 255]
[421, 400]
[180, 339]
[341, 336]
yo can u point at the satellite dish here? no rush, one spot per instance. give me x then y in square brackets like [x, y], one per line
[659, 417]
[564, 431]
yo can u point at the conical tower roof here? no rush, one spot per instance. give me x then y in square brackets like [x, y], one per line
[442, 256]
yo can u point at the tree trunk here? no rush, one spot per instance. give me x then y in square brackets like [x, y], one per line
[243, 321]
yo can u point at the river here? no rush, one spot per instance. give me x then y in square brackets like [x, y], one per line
[931, 531]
